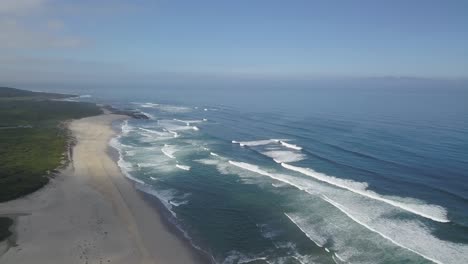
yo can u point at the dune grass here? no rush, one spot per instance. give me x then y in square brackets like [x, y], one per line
[5, 224]
[33, 141]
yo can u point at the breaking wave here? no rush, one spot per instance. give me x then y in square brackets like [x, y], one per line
[183, 167]
[291, 146]
[433, 212]
[169, 151]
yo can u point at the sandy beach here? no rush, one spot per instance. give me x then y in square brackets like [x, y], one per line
[90, 213]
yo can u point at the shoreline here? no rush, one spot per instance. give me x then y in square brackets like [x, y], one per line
[163, 213]
[91, 213]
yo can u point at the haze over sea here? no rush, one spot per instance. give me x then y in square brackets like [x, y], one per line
[371, 174]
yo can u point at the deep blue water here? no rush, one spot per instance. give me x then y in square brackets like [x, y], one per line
[306, 175]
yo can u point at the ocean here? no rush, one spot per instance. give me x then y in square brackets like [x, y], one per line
[371, 175]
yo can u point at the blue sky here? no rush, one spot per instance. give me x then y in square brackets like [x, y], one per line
[102, 40]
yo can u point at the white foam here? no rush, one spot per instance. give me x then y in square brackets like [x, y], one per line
[174, 109]
[291, 146]
[150, 116]
[158, 133]
[174, 134]
[171, 125]
[433, 212]
[279, 177]
[183, 167]
[126, 128]
[278, 185]
[236, 257]
[408, 234]
[164, 196]
[188, 122]
[130, 153]
[296, 258]
[338, 257]
[342, 209]
[125, 167]
[207, 161]
[318, 243]
[174, 203]
[280, 156]
[255, 143]
[248, 260]
[146, 165]
[214, 154]
[147, 105]
[169, 151]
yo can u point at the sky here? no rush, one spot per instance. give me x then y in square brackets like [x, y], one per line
[146, 40]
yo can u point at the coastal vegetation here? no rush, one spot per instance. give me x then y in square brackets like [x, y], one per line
[5, 224]
[33, 140]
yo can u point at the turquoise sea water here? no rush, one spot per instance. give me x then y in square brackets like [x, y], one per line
[306, 176]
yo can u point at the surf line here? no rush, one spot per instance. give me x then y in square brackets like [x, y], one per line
[305, 233]
[365, 192]
[343, 210]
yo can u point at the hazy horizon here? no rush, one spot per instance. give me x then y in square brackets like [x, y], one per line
[159, 42]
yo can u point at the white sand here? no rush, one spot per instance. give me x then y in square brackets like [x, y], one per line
[90, 213]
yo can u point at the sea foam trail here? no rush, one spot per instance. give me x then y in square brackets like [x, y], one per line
[303, 231]
[280, 156]
[147, 105]
[150, 116]
[126, 128]
[291, 146]
[415, 248]
[174, 134]
[165, 108]
[125, 167]
[343, 210]
[183, 167]
[402, 232]
[433, 212]
[168, 151]
[255, 143]
[159, 133]
[188, 122]
[256, 169]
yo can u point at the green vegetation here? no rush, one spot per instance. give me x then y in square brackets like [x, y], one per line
[32, 138]
[5, 224]
[7, 93]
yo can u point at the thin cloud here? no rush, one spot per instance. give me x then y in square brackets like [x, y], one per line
[20, 7]
[27, 24]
